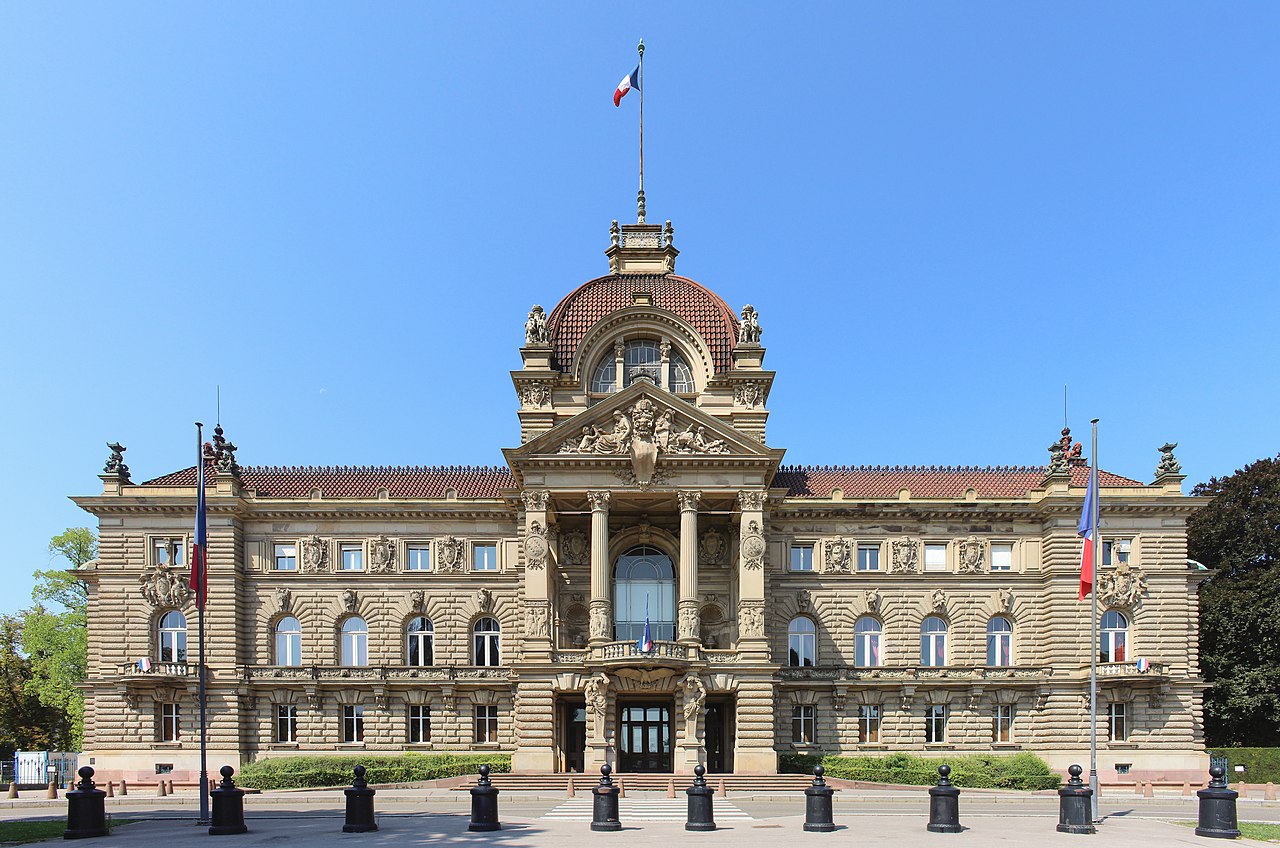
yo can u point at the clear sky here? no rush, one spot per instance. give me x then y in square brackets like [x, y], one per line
[341, 213]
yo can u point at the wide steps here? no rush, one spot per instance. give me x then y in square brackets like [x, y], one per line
[645, 782]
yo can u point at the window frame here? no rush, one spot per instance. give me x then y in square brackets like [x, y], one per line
[1118, 710]
[276, 557]
[804, 717]
[419, 732]
[410, 548]
[871, 548]
[924, 558]
[1002, 724]
[183, 548]
[485, 724]
[1111, 650]
[426, 635]
[292, 639]
[476, 547]
[806, 562]
[352, 724]
[1110, 546]
[490, 649]
[935, 724]
[861, 636]
[870, 717]
[998, 638]
[929, 642]
[286, 724]
[345, 548]
[176, 635]
[170, 722]
[801, 638]
[359, 647]
[1002, 545]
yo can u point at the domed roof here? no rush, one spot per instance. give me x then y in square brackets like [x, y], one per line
[587, 304]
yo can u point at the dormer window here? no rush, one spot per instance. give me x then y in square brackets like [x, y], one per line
[659, 361]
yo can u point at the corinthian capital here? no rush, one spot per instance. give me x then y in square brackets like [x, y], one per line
[750, 500]
[599, 500]
[689, 500]
[535, 499]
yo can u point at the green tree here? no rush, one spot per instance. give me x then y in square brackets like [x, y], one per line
[54, 636]
[1237, 535]
[25, 722]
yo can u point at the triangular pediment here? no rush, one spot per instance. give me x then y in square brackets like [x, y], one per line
[640, 417]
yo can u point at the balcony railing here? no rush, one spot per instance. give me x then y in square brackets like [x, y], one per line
[664, 650]
[149, 669]
[1129, 669]
[272, 673]
[915, 672]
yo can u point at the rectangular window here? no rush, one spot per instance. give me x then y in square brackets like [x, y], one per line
[868, 557]
[869, 724]
[802, 722]
[486, 723]
[286, 723]
[353, 723]
[169, 552]
[1117, 722]
[1002, 556]
[935, 557]
[419, 723]
[802, 557]
[418, 558]
[351, 557]
[484, 557]
[1116, 551]
[170, 724]
[935, 724]
[286, 557]
[1002, 723]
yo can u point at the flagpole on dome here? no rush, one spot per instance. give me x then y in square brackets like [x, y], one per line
[640, 80]
[1093, 642]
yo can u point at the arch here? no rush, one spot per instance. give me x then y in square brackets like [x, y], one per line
[171, 637]
[711, 625]
[868, 642]
[420, 641]
[802, 642]
[644, 593]
[575, 627]
[486, 641]
[1113, 637]
[353, 642]
[999, 641]
[642, 356]
[933, 641]
[287, 642]
[642, 322]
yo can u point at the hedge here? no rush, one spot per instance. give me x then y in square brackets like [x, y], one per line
[311, 772]
[1018, 771]
[1261, 765]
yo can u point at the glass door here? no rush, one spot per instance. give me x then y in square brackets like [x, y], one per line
[573, 740]
[645, 737]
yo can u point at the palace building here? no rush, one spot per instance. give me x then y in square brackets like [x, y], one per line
[641, 583]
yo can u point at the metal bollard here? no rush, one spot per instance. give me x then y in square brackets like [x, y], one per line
[817, 804]
[86, 808]
[604, 803]
[701, 800]
[1218, 807]
[359, 805]
[228, 806]
[944, 804]
[484, 804]
[1075, 807]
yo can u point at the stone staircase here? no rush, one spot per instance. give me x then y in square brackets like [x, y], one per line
[560, 783]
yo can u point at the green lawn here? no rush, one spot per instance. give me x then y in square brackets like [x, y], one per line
[35, 831]
[1249, 830]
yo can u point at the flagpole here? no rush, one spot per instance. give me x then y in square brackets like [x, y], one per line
[640, 79]
[1093, 642]
[204, 582]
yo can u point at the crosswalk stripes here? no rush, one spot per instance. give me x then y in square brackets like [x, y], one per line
[644, 810]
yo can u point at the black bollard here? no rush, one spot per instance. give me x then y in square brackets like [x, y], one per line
[1075, 805]
[359, 805]
[604, 802]
[817, 804]
[701, 799]
[484, 804]
[87, 808]
[228, 806]
[944, 804]
[1218, 807]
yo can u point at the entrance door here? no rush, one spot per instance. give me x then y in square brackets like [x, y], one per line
[718, 722]
[573, 739]
[645, 737]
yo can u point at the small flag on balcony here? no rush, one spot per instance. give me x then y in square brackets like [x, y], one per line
[1143, 664]
[645, 645]
[144, 665]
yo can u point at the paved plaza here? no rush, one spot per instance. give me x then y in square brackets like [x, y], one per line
[440, 816]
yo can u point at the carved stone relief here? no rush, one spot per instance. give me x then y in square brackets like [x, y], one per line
[749, 394]
[689, 623]
[906, 556]
[712, 547]
[873, 600]
[484, 600]
[450, 555]
[535, 500]
[164, 587]
[1004, 600]
[315, 555]
[536, 619]
[418, 600]
[751, 619]
[751, 500]
[350, 601]
[938, 601]
[837, 556]
[803, 600]
[535, 546]
[574, 548]
[599, 613]
[535, 394]
[972, 555]
[1123, 587]
[284, 599]
[382, 555]
[753, 547]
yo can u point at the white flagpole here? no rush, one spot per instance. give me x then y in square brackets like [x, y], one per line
[1093, 642]
[640, 80]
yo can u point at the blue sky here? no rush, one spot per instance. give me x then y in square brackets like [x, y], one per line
[342, 212]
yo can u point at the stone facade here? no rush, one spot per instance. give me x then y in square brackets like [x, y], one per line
[391, 609]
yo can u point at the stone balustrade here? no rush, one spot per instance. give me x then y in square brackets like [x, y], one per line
[158, 669]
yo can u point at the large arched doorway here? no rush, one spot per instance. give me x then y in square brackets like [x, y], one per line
[644, 579]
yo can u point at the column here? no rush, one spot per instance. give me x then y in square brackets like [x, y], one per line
[751, 575]
[601, 609]
[687, 619]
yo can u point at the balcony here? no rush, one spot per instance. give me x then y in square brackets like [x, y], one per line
[915, 673]
[629, 653]
[147, 670]
[1112, 670]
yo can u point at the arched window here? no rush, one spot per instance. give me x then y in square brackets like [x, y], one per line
[1114, 646]
[644, 589]
[288, 642]
[421, 635]
[487, 646]
[173, 637]
[866, 643]
[802, 642]
[643, 358]
[999, 641]
[933, 642]
[355, 642]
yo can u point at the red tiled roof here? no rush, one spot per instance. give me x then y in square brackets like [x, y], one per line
[587, 304]
[935, 481]
[344, 481]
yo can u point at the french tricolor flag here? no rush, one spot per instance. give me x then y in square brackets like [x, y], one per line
[199, 581]
[1088, 532]
[630, 81]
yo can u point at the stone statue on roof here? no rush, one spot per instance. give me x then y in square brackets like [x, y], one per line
[749, 328]
[535, 328]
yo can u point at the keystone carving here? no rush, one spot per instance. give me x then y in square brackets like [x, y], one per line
[972, 554]
[418, 601]
[938, 601]
[382, 555]
[837, 555]
[449, 555]
[873, 599]
[163, 587]
[350, 600]
[284, 599]
[315, 555]
[753, 547]
[1004, 600]
[803, 600]
[906, 556]
[484, 600]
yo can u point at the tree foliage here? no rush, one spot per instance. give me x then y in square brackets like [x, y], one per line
[26, 724]
[1237, 535]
